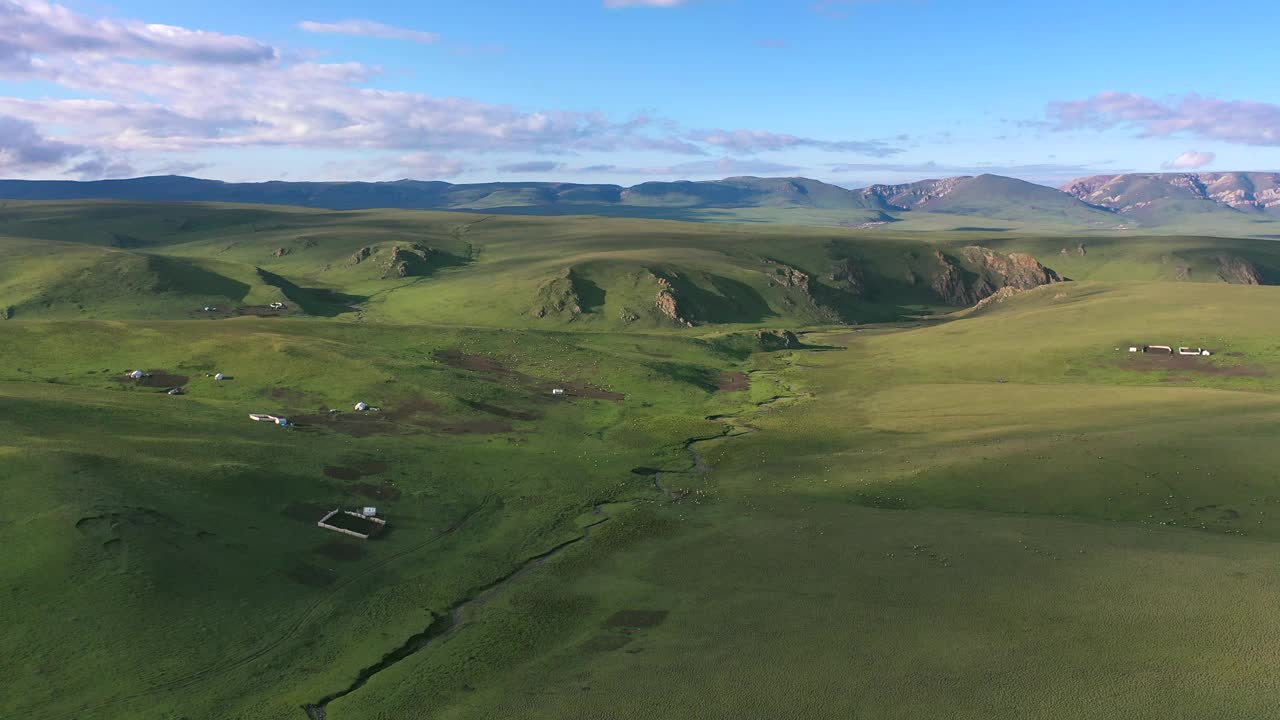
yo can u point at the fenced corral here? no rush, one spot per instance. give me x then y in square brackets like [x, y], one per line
[337, 518]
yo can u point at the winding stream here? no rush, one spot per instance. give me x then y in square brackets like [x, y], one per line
[442, 626]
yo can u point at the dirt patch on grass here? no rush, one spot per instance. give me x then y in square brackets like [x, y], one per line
[502, 412]
[285, 395]
[342, 550]
[473, 427]
[259, 311]
[355, 425]
[732, 382]
[341, 473]
[156, 379]
[636, 619]
[410, 416]
[575, 389]
[456, 358]
[1149, 362]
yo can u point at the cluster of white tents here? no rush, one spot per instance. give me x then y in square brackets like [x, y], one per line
[1170, 350]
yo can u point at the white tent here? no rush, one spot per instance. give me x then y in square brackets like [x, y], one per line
[362, 406]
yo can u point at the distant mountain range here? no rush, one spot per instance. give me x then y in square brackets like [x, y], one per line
[1102, 202]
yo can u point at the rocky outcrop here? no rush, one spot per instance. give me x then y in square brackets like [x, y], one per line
[777, 339]
[1238, 271]
[280, 252]
[407, 261]
[1015, 269]
[948, 283]
[361, 255]
[1248, 191]
[667, 303]
[982, 272]
[558, 297]
[911, 195]
[848, 277]
[1000, 295]
[1079, 250]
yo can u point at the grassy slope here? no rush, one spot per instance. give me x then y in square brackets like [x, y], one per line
[951, 546]
[136, 511]
[494, 270]
[891, 532]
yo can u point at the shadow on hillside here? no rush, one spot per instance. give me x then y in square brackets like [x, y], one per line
[732, 301]
[434, 262]
[174, 275]
[314, 301]
[686, 373]
[591, 296]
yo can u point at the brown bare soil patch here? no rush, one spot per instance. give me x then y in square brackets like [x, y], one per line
[286, 395]
[355, 425]
[338, 472]
[473, 427]
[502, 412]
[258, 311]
[1148, 362]
[456, 358]
[732, 382]
[636, 619]
[578, 389]
[412, 416]
[341, 550]
[156, 379]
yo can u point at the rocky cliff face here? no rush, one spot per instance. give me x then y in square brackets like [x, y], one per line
[911, 195]
[558, 297]
[1238, 271]
[1252, 192]
[976, 273]
[849, 277]
[667, 302]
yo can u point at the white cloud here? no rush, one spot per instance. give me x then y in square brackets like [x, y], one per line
[369, 28]
[1243, 122]
[31, 28]
[24, 149]
[533, 166]
[1189, 160]
[702, 168]
[198, 91]
[753, 141]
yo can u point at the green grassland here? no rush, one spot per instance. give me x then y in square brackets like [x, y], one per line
[936, 512]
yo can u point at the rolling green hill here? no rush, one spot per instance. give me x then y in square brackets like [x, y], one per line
[139, 260]
[1238, 204]
[631, 468]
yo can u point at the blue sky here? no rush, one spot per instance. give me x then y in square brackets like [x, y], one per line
[581, 90]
